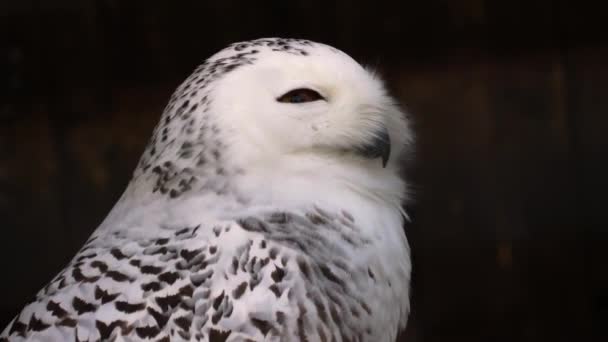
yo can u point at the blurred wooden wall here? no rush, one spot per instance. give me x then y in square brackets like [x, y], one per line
[509, 100]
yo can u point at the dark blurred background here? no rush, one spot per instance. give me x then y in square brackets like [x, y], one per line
[509, 100]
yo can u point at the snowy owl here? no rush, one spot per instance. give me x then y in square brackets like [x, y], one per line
[266, 207]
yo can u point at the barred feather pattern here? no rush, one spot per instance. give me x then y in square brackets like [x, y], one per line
[199, 284]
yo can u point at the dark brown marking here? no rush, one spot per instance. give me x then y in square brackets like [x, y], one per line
[273, 253]
[300, 329]
[304, 268]
[330, 275]
[78, 276]
[19, 328]
[278, 274]
[216, 317]
[151, 286]
[86, 256]
[169, 277]
[99, 265]
[116, 253]
[185, 335]
[252, 263]
[218, 335]
[265, 261]
[149, 269]
[199, 278]
[147, 332]
[129, 307]
[81, 306]
[186, 291]
[218, 300]
[255, 281]
[183, 322]
[275, 289]
[253, 225]
[67, 322]
[117, 276]
[235, 265]
[154, 251]
[169, 301]
[355, 312]
[37, 324]
[181, 231]
[189, 255]
[160, 319]
[105, 330]
[56, 309]
[239, 290]
[321, 311]
[262, 325]
[334, 314]
[366, 308]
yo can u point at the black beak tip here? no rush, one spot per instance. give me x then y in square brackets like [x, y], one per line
[385, 155]
[379, 147]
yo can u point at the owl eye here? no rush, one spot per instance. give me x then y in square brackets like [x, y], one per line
[300, 95]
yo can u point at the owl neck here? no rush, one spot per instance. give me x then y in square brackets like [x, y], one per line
[217, 189]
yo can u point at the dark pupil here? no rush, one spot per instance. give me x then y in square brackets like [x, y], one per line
[296, 98]
[300, 95]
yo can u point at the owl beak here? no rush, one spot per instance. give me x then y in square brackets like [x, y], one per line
[378, 147]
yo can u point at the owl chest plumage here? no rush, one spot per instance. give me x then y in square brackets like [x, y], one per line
[273, 276]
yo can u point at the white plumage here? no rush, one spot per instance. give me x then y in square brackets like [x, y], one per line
[261, 210]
